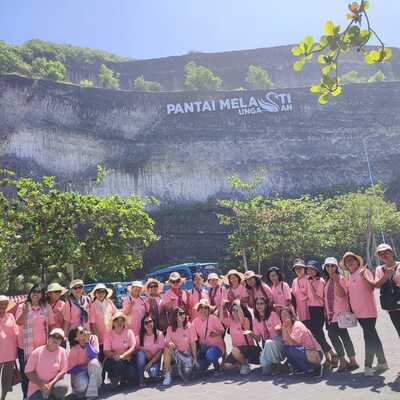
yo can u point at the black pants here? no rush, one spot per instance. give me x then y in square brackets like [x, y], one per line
[123, 370]
[316, 325]
[395, 317]
[340, 339]
[373, 345]
[24, 378]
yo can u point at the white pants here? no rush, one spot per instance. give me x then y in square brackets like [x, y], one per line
[271, 353]
[87, 383]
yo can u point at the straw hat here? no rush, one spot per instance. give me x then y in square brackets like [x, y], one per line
[225, 278]
[251, 274]
[351, 254]
[153, 280]
[76, 282]
[383, 247]
[138, 284]
[119, 314]
[101, 286]
[202, 302]
[5, 299]
[213, 275]
[56, 287]
[174, 276]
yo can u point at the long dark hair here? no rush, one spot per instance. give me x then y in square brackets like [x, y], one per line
[326, 276]
[258, 283]
[293, 316]
[142, 331]
[43, 297]
[245, 311]
[72, 336]
[279, 273]
[174, 321]
[267, 311]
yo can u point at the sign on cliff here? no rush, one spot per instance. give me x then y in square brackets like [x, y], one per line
[244, 105]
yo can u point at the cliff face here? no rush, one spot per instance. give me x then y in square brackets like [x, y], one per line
[232, 67]
[183, 146]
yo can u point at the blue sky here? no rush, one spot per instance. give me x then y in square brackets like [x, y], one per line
[158, 28]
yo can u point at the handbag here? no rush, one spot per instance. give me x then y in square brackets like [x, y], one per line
[16, 377]
[347, 319]
[390, 295]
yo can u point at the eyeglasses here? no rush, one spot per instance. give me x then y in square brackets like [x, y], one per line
[153, 286]
[180, 313]
[149, 321]
[77, 288]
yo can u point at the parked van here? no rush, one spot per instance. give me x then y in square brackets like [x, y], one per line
[186, 271]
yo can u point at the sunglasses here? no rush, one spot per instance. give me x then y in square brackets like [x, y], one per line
[149, 321]
[180, 313]
[77, 288]
[175, 281]
[37, 291]
[153, 286]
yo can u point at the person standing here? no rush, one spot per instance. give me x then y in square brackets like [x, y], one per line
[336, 302]
[216, 291]
[197, 293]
[153, 289]
[54, 294]
[360, 286]
[8, 345]
[233, 279]
[256, 288]
[134, 306]
[387, 277]
[281, 292]
[300, 290]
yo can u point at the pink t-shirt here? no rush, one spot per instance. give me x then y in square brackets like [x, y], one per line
[101, 318]
[281, 294]
[182, 338]
[203, 333]
[266, 329]
[8, 338]
[72, 314]
[361, 295]
[77, 355]
[58, 310]
[194, 298]
[302, 335]
[151, 302]
[179, 299]
[239, 293]
[258, 292]
[137, 312]
[236, 332]
[317, 299]
[119, 343]
[300, 291]
[46, 364]
[340, 304]
[40, 325]
[150, 345]
[216, 295]
[379, 272]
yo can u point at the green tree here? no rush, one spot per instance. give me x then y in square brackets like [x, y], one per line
[44, 230]
[45, 69]
[148, 86]
[258, 78]
[353, 77]
[86, 82]
[11, 60]
[198, 77]
[108, 78]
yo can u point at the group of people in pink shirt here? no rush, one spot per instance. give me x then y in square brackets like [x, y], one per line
[282, 328]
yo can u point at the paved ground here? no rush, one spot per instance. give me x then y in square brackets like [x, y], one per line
[348, 386]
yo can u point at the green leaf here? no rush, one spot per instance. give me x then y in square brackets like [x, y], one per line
[308, 41]
[323, 41]
[298, 65]
[387, 54]
[323, 99]
[326, 69]
[322, 59]
[338, 91]
[297, 51]
[328, 28]
[315, 89]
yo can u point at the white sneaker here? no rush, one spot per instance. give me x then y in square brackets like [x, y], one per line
[245, 369]
[381, 367]
[369, 371]
[167, 380]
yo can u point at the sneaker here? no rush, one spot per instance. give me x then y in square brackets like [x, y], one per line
[245, 369]
[368, 371]
[381, 367]
[167, 380]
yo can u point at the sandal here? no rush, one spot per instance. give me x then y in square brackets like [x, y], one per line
[334, 361]
[343, 368]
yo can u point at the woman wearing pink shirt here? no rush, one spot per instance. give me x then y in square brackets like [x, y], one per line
[281, 292]
[233, 279]
[134, 306]
[256, 287]
[8, 346]
[101, 311]
[216, 291]
[83, 364]
[54, 293]
[197, 293]
[267, 330]
[76, 309]
[46, 368]
[150, 345]
[180, 347]
[360, 286]
[153, 289]
[387, 278]
[336, 301]
[300, 290]
[237, 319]
[35, 318]
[119, 347]
[316, 311]
[299, 345]
[209, 331]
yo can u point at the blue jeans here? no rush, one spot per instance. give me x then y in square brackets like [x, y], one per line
[297, 358]
[141, 361]
[210, 356]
